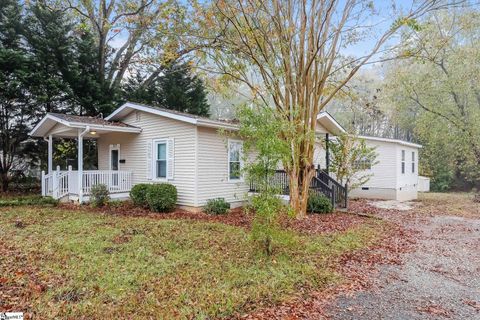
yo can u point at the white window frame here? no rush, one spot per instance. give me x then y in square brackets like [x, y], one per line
[413, 162]
[113, 147]
[363, 164]
[155, 144]
[403, 168]
[230, 141]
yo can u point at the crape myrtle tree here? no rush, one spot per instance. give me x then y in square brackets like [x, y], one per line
[288, 52]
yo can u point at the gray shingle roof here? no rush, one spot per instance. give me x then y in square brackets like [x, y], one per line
[90, 120]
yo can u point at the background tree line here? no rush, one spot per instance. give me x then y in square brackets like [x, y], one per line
[430, 95]
[63, 58]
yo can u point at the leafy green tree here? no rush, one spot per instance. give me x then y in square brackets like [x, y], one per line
[436, 88]
[350, 160]
[263, 151]
[176, 89]
[145, 36]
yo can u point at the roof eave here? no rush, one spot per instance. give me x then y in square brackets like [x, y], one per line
[217, 125]
[388, 140]
[134, 106]
[79, 125]
[336, 125]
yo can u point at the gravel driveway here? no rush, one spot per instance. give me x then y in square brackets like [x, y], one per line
[441, 279]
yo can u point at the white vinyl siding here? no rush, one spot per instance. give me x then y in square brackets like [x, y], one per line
[212, 171]
[181, 168]
[387, 181]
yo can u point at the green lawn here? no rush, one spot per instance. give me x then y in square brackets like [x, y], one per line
[104, 266]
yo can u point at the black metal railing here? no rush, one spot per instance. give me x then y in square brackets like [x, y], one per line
[340, 192]
[318, 186]
[279, 180]
[321, 183]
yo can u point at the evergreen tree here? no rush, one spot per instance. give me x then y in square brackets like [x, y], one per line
[66, 71]
[15, 114]
[177, 89]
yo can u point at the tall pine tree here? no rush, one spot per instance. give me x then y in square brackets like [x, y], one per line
[15, 74]
[177, 89]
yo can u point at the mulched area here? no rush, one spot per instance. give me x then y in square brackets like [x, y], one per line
[236, 217]
[312, 224]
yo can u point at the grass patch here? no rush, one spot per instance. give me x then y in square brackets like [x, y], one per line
[449, 203]
[34, 200]
[101, 266]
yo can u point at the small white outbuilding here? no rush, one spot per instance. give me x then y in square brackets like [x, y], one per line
[395, 175]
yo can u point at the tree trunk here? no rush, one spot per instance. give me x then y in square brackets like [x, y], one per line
[5, 182]
[299, 190]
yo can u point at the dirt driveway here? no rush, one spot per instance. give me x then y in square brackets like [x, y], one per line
[440, 279]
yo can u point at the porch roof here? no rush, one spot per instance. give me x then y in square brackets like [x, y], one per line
[63, 125]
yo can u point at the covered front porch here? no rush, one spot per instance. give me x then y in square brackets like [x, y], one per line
[76, 185]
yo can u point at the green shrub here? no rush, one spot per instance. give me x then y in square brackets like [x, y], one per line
[161, 197]
[265, 232]
[99, 195]
[28, 201]
[216, 206]
[138, 194]
[319, 203]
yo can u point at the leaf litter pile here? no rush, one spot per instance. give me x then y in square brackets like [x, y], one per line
[358, 268]
[23, 282]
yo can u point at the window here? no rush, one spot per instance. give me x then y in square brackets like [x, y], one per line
[403, 161]
[161, 159]
[234, 160]
[413, 161]
[363, 164]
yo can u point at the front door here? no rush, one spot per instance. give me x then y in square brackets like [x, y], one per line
[114, 164]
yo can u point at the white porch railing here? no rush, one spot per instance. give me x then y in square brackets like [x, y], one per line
[62, 183]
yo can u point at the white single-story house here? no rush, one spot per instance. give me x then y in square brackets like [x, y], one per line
[144, 144]
[395, 175]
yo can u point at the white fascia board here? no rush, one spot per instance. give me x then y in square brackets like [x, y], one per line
[401, 142]
[81, 125]
[153, 111]
[217, 125]
[325, 114]
[47, 117]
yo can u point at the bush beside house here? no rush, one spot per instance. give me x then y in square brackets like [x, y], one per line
[319, 203]
[161, 197]
[99, 195]
[216, 206]
[138, 195]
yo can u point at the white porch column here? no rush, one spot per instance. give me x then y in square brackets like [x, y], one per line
[50, 154]
[80, 166]
[80, 162]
